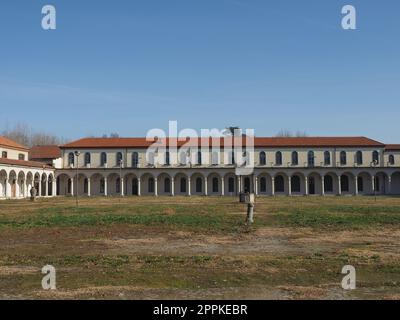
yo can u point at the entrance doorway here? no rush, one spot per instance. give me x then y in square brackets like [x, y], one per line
[311, 186]
[135, 189]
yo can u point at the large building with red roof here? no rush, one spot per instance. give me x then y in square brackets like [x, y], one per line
[226, 166]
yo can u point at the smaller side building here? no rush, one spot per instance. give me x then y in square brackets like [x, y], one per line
[19, 173]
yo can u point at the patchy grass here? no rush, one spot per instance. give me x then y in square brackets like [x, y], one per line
[199, 248]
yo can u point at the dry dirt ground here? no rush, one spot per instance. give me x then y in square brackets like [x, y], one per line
[200, 248]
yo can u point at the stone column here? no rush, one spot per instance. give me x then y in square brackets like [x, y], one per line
[54, 185]
[26, 189]
[139, 180]
[122, 187]
[306, 185]
[72, 186]
[173, 186]
[205, 186]
[189, 187]
[156, 186]
[88, 187]
[273, 186]
[373, 184]
[356, 185]
[339, 185]
[323, 185]
[46, 188]
[105, 187]
[40, 187]
[290, 185]
[239, 184]
[389, 184]
[222, 186]
[256, 185]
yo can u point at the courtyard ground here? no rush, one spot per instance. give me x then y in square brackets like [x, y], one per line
[200, 248]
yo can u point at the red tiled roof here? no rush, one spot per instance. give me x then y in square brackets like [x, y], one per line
[22, 163]
[393, 147]
[317, 142]
[44, 152]
[8, 143]
[258, 142]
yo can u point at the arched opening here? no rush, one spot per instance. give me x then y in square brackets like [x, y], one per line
[279, 184]
[296, 184]
[328, 184]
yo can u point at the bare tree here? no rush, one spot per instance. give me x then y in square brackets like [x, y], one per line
[25, 135]
[286, 133]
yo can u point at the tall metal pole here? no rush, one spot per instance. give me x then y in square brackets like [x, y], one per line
[375, 163]
[77, 153]
[120, 178]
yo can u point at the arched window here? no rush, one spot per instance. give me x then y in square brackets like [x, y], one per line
[21, 156]
[118, 158]
[87, 158]
[135, 159]
[4, 154]
[279, 184]
[263, 184]
[103, 159]
[151, 185]
[360, 184]
[118, 185]
[327, 158]
[167, 158]
[375, 157]
[263, 158]
[295, 184]
[71, 159]
[391, 160]
[278, 158]
[343, 158]
[215, 185]
[359, 158]
[344, 180]
[167, 185]
[328, 184]
[199, 185]
[231, 185]
[311, 158]
[183, 185]
[295, 158]
[199, 158]
[214, 158]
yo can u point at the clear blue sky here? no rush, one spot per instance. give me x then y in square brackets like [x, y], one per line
[129, 66]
